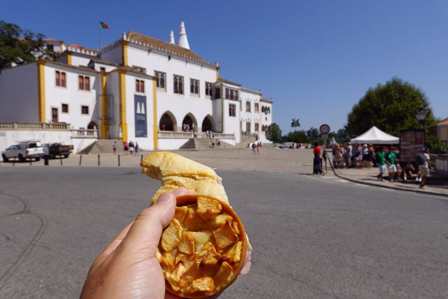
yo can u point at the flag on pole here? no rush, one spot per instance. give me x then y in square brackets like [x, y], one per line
[104, 25]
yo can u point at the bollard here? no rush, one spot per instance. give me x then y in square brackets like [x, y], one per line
[119, 160]
[99, 161]
[60, 161]
[80, 160]
[141, 159]
[46, 161]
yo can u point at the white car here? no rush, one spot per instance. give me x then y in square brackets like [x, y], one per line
[23, 151]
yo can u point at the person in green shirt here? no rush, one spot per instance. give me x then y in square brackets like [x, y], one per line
[391, 159]
[380, 157]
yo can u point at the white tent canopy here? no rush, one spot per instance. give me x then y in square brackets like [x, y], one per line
[375, 136]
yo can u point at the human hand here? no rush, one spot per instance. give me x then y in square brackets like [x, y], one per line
[128, 267]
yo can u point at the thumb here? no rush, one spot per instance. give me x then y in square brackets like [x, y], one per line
[144, 235]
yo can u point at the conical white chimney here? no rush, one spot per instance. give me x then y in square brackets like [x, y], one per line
[172, 41]
[183, 38]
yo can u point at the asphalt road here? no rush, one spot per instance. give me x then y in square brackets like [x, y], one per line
[313, 237]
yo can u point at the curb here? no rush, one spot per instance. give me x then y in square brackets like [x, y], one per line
[388, 187]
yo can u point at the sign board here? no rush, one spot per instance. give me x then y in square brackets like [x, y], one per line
[140, 112]
[324, 129]
[411, 143]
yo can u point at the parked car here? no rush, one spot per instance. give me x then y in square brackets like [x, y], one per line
[23, 151]
[286, 145]
[57, 150]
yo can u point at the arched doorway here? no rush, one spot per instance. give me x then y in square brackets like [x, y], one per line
[167, 122]
[92, 126]
[208, 124]
[189, 123]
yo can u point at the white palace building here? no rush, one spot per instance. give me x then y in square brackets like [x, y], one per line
[141, 89]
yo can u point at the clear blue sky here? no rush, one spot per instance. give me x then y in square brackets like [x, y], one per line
[315, 58]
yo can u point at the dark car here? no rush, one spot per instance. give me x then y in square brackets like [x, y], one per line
[57, 150]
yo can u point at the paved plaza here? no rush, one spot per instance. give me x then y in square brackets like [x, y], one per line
[314, 237]
[268, 160]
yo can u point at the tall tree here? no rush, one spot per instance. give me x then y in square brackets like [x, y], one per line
[297, 137]
[392, 107]
[274, 133]
[295, 123]
[18, 46]
[341, 136]
[313, 135]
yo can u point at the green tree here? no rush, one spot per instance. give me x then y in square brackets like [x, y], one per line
[392, 107]
[313, 135]
[18, 46]
[295, 123]
[341, 136]
[297, 137]
[274, 133]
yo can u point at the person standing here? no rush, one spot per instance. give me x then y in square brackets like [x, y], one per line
[136, 148]
[114, 147]
[391, 159]
[372, 156]
[423, 159]
[317, 168]
[131, 147]
[253, 147]
[381, 162]
[324, 165]
[349, 154]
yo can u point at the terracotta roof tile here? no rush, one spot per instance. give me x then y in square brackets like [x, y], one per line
[443, 122]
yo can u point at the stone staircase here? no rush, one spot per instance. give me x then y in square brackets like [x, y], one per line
[198, 143]
[204, 143]
[245, 140]
[103, 146]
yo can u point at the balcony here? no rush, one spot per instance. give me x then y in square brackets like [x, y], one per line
[24, 125]
[175, 135]
[185, 135]
[84, 133]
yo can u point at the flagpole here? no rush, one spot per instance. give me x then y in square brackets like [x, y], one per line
[99, 37]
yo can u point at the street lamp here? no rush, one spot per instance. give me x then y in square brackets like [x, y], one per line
[421, 115]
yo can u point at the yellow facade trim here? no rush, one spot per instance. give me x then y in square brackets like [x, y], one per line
[69, 59]
[155, 125]
[122, 91]
[41, 90]
[104, 117]
[125, 46]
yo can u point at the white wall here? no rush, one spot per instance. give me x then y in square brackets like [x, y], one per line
[266, 120]
[19, 99]
[80, 60]
[145, 143]
[251, 117]
[14, 136]
[80, 144]
[171, 144]
[232, 124]
[113, 54]
[217, 114]
[180, 105]
[71, 95]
